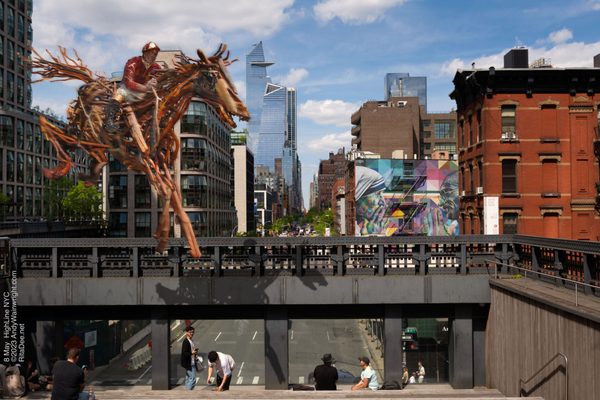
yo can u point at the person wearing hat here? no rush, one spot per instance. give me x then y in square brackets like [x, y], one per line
[138, 80]
[368, 377]
[326, 374]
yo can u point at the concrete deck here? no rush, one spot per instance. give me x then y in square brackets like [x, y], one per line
[422, 392]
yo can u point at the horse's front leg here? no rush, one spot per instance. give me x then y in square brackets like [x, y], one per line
[162, 231]
[186, 224]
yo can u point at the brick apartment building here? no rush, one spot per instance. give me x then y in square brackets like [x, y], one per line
[526, 135]
[330, 171]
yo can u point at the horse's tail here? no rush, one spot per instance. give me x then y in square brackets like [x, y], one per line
[61, 67]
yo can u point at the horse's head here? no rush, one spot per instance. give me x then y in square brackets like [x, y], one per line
[216, 86]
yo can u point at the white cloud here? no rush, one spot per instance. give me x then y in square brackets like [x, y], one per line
[354, 11]
[331, 142]
[134, 22]
[560, 36]
[594, 5]
[293, 77]
[328, 112]
[562, 55]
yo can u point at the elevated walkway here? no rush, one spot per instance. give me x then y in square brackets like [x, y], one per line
[422, 392]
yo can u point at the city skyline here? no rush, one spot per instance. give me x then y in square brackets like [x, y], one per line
[335, 53]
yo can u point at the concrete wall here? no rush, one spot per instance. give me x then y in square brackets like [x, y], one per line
[523, 334]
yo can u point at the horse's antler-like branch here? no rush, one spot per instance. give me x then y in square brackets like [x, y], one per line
[61, 67]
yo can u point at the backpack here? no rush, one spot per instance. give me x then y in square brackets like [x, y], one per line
[390, 385]
[14, 385]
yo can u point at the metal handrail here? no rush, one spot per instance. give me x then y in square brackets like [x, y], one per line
[559, 354]
[526, 271]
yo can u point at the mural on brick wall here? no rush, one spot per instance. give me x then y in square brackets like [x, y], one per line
[406, 197]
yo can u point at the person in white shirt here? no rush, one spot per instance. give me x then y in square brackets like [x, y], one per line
[421, 372]
[368, 377]
[224, 364]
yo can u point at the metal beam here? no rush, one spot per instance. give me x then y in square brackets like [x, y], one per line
[161, 357]
[461, 348]
[276, 348]
[392, 348]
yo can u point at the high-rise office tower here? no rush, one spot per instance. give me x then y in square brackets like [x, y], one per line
[401, 84]
[256, 82]
[272, 131]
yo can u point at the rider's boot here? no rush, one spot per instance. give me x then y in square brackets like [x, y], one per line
[110, 116]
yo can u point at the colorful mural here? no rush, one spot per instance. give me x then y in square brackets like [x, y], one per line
[406, 197]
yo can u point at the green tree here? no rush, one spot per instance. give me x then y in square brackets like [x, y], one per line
[5, 202]
[54, 194]
[83, 202]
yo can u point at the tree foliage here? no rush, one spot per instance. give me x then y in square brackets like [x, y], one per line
[54, 194]
[83, 202]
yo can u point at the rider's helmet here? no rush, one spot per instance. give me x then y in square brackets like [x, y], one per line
[150, 46]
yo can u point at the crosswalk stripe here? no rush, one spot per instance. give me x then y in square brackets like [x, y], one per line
[255, 380]
[301, 380]
[240, 380]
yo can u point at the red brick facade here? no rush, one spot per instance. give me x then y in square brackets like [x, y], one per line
[526, 136]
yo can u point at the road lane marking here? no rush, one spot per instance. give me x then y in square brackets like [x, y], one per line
[142, 375]
[292, 338]
[329, 340]
[240, 370]
[255, 380]
[254, 337]
[301, 380]
[217, 338]
[240, 380]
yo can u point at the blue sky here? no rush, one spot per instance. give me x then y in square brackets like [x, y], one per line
[334, 52]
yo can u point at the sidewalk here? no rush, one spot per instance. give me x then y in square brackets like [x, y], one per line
[422, 392]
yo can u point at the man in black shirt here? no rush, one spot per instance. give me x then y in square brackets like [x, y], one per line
[326, 374]
[68, 378]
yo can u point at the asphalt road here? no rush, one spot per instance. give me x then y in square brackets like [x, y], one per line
[244, 341]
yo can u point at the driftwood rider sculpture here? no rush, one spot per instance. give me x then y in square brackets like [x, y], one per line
[135, 122]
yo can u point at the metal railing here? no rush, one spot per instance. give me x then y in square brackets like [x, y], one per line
[526, 271]
[524, 382]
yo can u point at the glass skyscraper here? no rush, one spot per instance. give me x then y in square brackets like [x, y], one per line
[401, 84]
[256, 82]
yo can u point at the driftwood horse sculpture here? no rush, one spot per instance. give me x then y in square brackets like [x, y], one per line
[146, 141]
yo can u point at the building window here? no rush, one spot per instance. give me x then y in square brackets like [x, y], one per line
[142, 192]
[117, 224]
[142, 224]
[462, 178]
[115, 165]
[479, 126]
[29, 137]
[470, 130]
[10, 166]
[193, 154]
[10, 22]
[7, 135]
[509, 176]
[198, 220]
[444, 129]
[550, 176]
[20, 168]
[509, 223]
[549, 120]
[20, 134]
[449, 147]
[462, 133]
[480, 170]
[509, 119]
[117, 191]
[471, 180]
[194, 190]
[194, 119]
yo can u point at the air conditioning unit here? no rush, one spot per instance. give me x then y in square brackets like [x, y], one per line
[479, 190]
[509, 136]
[462, 193]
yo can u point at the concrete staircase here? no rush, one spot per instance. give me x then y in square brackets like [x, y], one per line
[422, 392]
